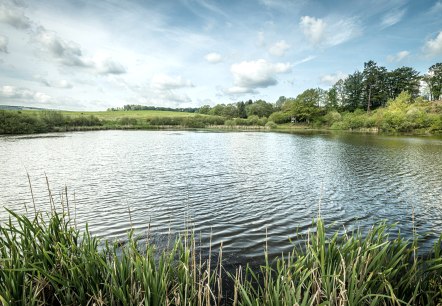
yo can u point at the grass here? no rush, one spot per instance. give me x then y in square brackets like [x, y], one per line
[45, 260]
[116, 115]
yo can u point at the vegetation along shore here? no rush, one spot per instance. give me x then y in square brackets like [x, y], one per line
[45, 260]
[374, 100]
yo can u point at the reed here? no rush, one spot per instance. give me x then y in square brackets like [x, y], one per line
[45, 260]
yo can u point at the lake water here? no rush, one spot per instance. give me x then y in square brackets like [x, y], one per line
[233, 187]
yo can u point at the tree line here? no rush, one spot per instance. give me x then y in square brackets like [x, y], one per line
[366, 90]
[137, 107]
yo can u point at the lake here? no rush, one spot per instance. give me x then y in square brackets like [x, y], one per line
[232, 187]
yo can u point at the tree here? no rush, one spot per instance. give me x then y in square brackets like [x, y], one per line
[353, 91]
[230, 111]
[403, 79]
[259, 108]
[305, 107]
[280, 102]
[217, 110]
[340, 92]
[241, 109]
[205, 109]
[375, 93]
[434, 81]
[332, 99]
[309, 97]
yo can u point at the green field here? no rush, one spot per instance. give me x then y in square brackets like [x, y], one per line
[115, 115]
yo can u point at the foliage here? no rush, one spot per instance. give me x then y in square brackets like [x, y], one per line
[280, 117]
[434, 81]
[259, 108]
[45, 260]
[13, 122]
[137, 107]
[271, 125]
[346, 269]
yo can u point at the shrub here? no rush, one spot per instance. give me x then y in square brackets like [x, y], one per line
[271, 125]
[280, 117]
[127, 121]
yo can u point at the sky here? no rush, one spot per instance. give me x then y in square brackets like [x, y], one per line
[93, 55]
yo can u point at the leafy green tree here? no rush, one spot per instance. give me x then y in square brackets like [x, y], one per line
[305, 107]
[280, 102]
[217, 110]
[353, 89]
[205, 109]
[230, 111]
[259, 108]
[340, 92]
[375, 92]
[241, 106]
[309, 97]
[332, 99]
[434, 81]
[403, 79]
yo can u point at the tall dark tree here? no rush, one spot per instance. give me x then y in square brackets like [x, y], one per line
[403, 79]
[434, 81]
[353, 91]
[332, 99]
[375, 91]
[241, 109]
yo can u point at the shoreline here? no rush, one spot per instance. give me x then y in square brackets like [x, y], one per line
[236, 128]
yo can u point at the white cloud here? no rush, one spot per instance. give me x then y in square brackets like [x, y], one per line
[331, 79]
[67, 53]
[56, 84]
[433, 47]
[13, 16]
[279, 48]
[3, 44]
[248, 76]
[313, 28]
[109, 66]
[166, 82]
[398, 56]
[304, 60]
[328, 33]
[19, 94]
[213, 57]
[173, 97]
[392, 18]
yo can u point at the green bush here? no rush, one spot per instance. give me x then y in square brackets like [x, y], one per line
[280, 117]
[331, 117]
[271, 125]
[127, 121]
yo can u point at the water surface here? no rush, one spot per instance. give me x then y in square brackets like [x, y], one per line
[234, 187]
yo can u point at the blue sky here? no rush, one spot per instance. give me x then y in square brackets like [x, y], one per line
[91, 55]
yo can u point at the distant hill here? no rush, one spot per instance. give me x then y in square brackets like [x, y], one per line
[15, 107]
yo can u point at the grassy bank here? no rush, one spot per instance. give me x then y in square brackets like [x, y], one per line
[400, 116]
[30, 122]
[46, 261]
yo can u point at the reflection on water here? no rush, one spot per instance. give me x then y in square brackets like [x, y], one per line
[232, 186]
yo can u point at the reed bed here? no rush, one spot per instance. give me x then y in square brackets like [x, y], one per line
[45, 260]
